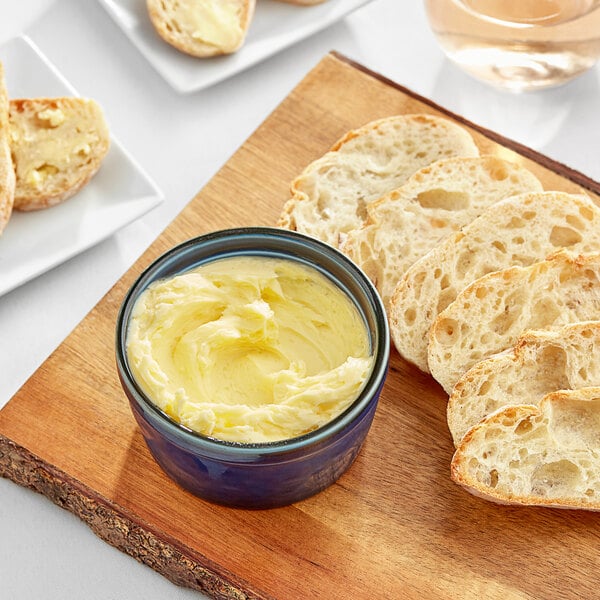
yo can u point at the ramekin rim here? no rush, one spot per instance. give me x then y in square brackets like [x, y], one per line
[371, 388]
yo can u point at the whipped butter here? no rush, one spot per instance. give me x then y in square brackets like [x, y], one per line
[215, 23]
[249, 349]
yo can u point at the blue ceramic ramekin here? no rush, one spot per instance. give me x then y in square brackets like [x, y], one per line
[262, 475]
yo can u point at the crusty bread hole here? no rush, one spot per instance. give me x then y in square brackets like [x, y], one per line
[544, 313]
[499, 246]
[463, 263]
[564, 236]
[439, 198]
[446, 297]
[577, 423]
[498, 171]
[447, 332]
[586, 213]
[410, 314]
[555, 478]
[515, 223]
[576, 222]
[524, 426]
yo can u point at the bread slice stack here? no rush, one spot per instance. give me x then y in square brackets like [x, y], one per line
[403, 225]
[541, 362]
[491, 284]
[330, 197]
[490, 314]
[518, 231]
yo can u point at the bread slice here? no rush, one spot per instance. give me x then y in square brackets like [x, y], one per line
[490, 314]
[517, 231]
[541, 362]
[7, 172]
[58, 144]
[436, 201]
[202, 28]
[546, 455]
[330, 196]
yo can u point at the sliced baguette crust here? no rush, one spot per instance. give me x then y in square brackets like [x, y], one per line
[541, 362]
[202, 28]
[490, 314]
[58, 145]
[330, 196]
[435, 202]
[515, 232]
[7, 172]
[546, 455]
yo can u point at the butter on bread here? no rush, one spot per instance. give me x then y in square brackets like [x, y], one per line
[540, 362]
[202, 28]
[545, 455]
[435, 202]
[515, 232]
[7, 172]
[329, 198]
[490, 314]
[58, 145]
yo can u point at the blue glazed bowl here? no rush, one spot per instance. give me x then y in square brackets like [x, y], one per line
[262, 475]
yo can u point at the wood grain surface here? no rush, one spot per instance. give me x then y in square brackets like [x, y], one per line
[393, 526]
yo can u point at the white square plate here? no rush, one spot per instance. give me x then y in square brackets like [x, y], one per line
[275, 26]
[34, 242]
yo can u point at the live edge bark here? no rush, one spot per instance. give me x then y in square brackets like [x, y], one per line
[22, 467]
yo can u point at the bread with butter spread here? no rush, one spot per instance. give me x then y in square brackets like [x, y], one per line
[545, 455]
[7, 172]
[202, 28]
[58, 144]
[435, 202]
[517, 231]
[330, 197]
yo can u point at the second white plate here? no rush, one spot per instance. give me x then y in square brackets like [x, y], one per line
[275, 26]
[34, 242]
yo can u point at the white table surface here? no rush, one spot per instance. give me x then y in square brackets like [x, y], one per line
[181, 141]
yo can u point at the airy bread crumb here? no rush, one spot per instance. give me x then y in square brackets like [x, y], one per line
[436, 201]
[545, 455]
[489, 315]
[540, 362]
[515, 232]
[330, 197]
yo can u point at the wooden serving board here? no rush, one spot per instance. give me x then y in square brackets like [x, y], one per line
[393, 526]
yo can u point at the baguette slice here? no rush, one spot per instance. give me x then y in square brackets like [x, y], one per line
[490, 314]
[58, 145]
[329, 197]
[546, 455]
[435, 202]
[202, 28]
[541, 362]
[7, 172]
[517, 231]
